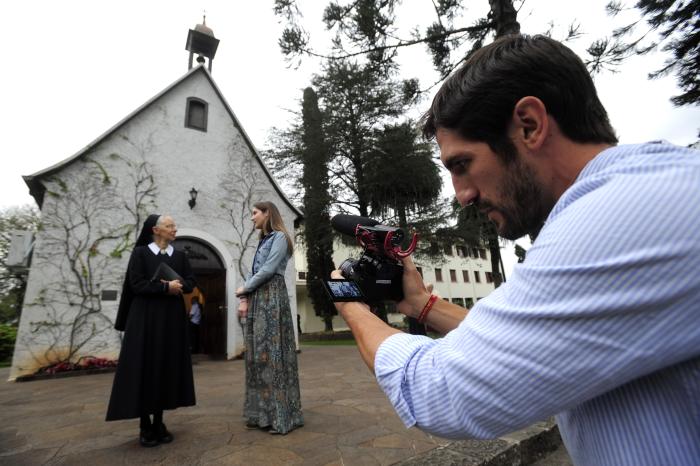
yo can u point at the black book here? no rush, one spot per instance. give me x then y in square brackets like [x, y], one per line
[165, 272]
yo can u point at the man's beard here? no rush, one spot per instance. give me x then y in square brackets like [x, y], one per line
[524, 205]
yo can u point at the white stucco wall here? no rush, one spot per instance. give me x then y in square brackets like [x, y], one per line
[179, 159]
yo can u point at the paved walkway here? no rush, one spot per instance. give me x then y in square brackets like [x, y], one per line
[348, 421]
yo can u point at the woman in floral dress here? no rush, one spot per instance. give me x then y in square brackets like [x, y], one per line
[272, 381]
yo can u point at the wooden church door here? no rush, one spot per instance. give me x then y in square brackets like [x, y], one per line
[210, 274]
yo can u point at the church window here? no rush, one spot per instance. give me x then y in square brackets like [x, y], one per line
[196, 115]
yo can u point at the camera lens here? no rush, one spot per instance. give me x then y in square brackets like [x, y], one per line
[347, 268]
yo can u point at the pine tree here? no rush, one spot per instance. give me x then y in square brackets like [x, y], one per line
[318, 234]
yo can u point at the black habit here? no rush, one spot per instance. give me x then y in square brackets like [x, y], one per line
[155, 368]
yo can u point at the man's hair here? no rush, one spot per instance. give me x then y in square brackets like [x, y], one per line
[477, 101]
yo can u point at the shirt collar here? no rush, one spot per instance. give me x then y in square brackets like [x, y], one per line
[156, 250]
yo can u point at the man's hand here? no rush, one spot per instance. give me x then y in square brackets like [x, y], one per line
[443, 317]
[368, 329]
[415, 292]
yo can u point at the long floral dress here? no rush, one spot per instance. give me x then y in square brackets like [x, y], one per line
[272, 381]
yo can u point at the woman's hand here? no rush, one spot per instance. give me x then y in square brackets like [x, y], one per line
[240, 291]
[243, 308]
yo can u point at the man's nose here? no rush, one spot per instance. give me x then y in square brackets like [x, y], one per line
[466, 196]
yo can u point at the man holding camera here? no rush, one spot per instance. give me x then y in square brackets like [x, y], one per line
[600, 325]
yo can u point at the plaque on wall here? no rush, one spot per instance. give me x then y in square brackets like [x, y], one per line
[109, 295]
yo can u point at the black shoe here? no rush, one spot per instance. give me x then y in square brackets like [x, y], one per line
[147, 438]
[162, 434]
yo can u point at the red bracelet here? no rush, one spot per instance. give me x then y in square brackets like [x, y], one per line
[426, 309]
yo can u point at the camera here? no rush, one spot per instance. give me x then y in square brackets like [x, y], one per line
[378, 271]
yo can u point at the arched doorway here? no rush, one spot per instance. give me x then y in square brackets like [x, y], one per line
[210, 273]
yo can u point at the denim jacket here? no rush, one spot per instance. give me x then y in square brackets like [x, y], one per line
[270, 259]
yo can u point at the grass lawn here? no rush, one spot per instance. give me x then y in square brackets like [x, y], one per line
[348, 342]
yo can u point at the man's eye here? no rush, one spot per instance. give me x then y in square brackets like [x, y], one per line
[459, 167]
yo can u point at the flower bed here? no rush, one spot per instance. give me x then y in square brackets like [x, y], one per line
[81, 365]
[84, 366]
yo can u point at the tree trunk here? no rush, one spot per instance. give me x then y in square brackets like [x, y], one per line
[504, 17]
[328, 322]
[495, 250]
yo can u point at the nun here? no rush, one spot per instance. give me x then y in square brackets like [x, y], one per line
[155, 368]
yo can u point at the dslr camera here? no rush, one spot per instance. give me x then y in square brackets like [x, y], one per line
[376, 275]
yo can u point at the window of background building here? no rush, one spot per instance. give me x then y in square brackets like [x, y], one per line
[474, 253]
[469, 303]
[489, 277]
[458, 301]
[453, 276]
[438, 275]
[465, 276]
[302, 275]
[477, 277]
[196, 114]
[482, 253]
[462, 251]
[447, 248]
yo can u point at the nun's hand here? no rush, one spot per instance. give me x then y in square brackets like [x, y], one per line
[174, 287]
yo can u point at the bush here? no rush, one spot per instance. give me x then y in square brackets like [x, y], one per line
[8, 334]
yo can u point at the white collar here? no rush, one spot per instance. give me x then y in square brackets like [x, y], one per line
[156, 250]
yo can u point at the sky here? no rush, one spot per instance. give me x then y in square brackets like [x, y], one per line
[72, 69]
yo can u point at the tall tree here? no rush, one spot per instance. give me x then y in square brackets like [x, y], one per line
[12, 283]
[668, 25]
[318, 233]
[367, 28]
[358, 100]
[391, 182]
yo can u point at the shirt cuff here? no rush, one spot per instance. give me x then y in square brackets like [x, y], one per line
[390, 363]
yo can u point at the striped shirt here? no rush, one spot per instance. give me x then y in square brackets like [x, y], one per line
[600, 325]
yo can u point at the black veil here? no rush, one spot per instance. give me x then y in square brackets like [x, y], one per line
[145, 238]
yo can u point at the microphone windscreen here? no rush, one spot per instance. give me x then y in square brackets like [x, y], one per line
[347, 224]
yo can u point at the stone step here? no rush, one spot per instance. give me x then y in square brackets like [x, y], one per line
[522, 447]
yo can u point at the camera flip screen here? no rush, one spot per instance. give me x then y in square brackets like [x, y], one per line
[343, 290]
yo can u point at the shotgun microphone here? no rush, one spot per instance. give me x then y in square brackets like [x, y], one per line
[347, 224]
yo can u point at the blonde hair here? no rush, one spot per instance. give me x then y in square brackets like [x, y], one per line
[274, 222]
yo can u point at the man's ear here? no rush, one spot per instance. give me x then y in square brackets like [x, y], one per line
[530, 122]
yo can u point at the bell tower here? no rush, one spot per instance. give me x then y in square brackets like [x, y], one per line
[201, 41]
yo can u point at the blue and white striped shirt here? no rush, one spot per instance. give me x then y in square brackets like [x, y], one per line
[600, 325]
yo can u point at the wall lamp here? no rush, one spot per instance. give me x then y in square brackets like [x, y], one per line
[193, 198]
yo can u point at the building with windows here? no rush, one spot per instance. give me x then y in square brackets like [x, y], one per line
[461, 275]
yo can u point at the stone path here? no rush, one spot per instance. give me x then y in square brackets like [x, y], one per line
[348, 421]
